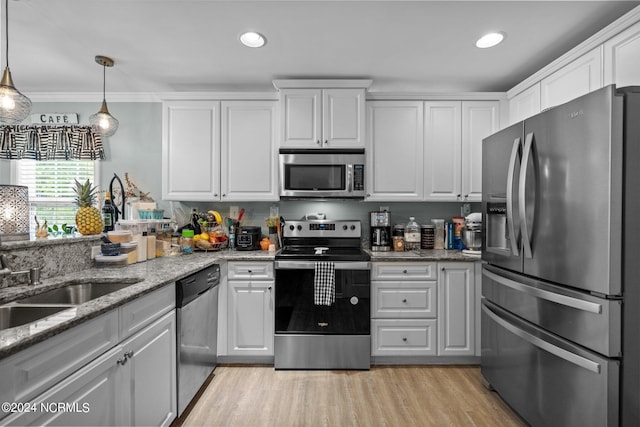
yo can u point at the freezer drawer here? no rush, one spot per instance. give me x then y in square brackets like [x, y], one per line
[547, 380]
[577, 316]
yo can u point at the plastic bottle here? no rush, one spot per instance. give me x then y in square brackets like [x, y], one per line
[232, 236]
[412, 235]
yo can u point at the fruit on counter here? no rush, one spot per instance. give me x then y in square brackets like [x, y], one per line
[264, 244]
[217, 216]
[203, 244]
[88, 217]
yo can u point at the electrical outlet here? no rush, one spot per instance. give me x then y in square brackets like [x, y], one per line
[465, 209]
[384, 208]
[234, 211]
[95, 250]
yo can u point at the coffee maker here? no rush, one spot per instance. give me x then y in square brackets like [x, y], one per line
[380, 231]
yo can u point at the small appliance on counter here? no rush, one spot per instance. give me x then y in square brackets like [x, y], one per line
[248, 238]
[381, 231]
[472, 234]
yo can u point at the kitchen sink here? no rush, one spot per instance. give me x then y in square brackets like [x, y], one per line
[78, 292]
[16, 315]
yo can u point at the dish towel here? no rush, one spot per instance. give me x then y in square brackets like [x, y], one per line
[324, 283]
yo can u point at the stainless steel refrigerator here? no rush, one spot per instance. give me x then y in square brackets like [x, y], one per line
[561, 271]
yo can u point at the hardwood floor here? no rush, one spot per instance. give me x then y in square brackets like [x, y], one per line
[383, 396]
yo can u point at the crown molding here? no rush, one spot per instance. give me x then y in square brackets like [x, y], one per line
[593, 42]
[322, 83]
[204, 96]
[92, 97]
[436, 96]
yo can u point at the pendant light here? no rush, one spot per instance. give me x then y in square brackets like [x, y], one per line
[14, 106]
[102, 121]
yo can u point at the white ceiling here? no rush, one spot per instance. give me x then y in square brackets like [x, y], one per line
[192, 45]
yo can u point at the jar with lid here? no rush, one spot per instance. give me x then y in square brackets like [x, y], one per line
[186, 243]
[398, 237]
[412, 235]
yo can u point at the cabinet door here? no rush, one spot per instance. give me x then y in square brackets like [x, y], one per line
[443, 151]
[343, 118]
[621, 58]
[573, 80]
[525, 104]
[191, 150]
[456, 309]
[90, 396]
[249, 156]
[150, 383]
[301, 118]
[250, 318]
[394, 151]
[479, 120]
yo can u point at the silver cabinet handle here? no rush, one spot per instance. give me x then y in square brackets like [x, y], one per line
[310, 265]
[583, 362]
[515, 238]
[526, 236]
[565, 300]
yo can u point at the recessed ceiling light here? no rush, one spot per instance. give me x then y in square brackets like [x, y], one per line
[489, 40]
[252, 39]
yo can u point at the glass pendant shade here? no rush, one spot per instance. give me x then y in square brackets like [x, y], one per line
[103, 122]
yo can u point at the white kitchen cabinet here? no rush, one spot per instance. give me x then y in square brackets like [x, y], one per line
[394, 151]
[191, 150]
[248, 151]
[456, 309]
[622, 58]
[575, 79]
[453, 134]
[403, 309]
[250, 321]
[525, 104]
[322, 118]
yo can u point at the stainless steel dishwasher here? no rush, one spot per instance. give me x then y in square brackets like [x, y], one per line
[197, 321]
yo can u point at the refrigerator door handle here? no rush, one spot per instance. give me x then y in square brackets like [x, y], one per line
[578, 360]
[565, 300]
[515, 238]
[526, 156]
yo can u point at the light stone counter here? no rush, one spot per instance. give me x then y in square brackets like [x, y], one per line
[153, 274]
[421, 255]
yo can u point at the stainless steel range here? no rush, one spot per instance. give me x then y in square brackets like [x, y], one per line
[322, 297]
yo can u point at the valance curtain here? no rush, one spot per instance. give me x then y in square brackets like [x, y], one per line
[42, 142]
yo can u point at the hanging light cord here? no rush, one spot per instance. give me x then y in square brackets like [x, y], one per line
[6, 32]
[104, 82]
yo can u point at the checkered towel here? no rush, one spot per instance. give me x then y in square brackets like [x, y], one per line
[324, 284]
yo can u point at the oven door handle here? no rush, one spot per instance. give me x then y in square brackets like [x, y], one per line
[310, 265]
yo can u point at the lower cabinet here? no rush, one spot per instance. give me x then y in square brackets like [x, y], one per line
[133, 383]
[250, 321]
[423, 309]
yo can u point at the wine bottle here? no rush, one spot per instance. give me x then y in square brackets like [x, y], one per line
[108, 213]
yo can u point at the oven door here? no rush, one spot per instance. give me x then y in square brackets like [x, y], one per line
[296, 313]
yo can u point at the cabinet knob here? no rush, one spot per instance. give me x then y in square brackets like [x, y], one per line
[443, 269]
[404, 271]
[224, 195]
[459, 196]
[269, 288]
[129, 354]
[215, 194]
[122, 361]
[318, 142]
[404, 301]
[368, 195]
[326, 142]
[249, 271]
[404, 339]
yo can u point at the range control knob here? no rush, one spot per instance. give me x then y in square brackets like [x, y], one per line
[353, 227]
[299, 228]
[291, 227]
[344, 227]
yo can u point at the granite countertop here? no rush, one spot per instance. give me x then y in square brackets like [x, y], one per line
[422, 255]
[153, 274]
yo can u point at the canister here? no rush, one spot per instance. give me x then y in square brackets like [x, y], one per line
[427, 236]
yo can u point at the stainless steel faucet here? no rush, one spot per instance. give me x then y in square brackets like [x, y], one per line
[34, 273]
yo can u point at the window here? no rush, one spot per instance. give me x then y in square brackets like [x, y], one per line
[51, 184]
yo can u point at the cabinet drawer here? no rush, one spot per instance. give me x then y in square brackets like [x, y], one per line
[139, 313]
[403, 271]
[33, 370]
[404, 299]
[250, 270]
[400, 337]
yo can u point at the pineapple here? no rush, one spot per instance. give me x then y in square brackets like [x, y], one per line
[88, 217]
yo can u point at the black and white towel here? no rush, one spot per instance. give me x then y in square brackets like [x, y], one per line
[324, 283]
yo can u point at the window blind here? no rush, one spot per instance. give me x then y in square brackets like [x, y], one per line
[51, 183]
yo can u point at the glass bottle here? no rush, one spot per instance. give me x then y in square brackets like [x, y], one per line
[108, 213]
[412, 235]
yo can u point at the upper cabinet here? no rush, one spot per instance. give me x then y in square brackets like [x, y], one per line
[219, 150]
[525, 104]
[578, 78]
[394, 151]
[453, 134]
[191, 150]
[322, 118]
[622, 58]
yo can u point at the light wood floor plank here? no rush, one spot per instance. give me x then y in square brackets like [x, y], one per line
[385, 396]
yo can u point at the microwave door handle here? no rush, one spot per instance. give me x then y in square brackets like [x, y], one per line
[349, 178]
[515, 238]
[526, 235]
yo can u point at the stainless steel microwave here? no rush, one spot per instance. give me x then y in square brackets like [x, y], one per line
[322, 173]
